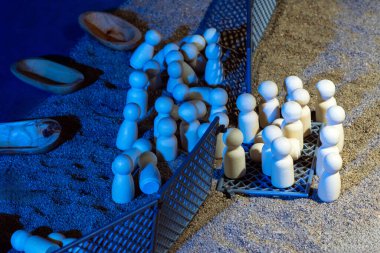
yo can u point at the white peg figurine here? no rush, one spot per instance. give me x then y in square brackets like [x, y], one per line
[189, 126]
[335, 116]
[214, 74]
[144, 52]
[149, 177]
[269, 134]
[128, 131]
[163, 107]
[137, 93]
[326, 92]
[329, 137]
[175, 71]
[330, 183]
[188, 74]
[24, 241]
[282, 164]
[291, 84]
[292, 127]
[218, 99]
[167, 143]
[302, 97]
[123, 186]
[233, 154]
[269, 109]
[193, 57]
[248, 120]
[140, 146]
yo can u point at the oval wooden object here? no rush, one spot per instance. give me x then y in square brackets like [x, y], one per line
[110, 30]
[29, 137]
[48, 75]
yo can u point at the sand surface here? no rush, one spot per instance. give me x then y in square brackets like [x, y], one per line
[337, 40]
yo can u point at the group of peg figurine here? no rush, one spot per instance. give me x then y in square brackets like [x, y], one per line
[281, 140]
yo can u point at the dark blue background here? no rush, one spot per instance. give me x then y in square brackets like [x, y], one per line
[36, 28]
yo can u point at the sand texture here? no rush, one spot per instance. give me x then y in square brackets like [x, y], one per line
[337, 40]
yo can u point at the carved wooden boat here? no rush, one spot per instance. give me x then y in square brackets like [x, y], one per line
[48, 75]
[110, 30]
[29, 137]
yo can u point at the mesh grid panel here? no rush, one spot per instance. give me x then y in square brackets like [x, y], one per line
[132, 233]
[256, 183]
[186, 191]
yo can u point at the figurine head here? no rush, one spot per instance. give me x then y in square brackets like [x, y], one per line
[146, 158]
[326, 89]
[131, 112]
[292, 83]
[211, 35]
[19, 238]
[188, 112]
[335, 115]
[142, 145]
[198, 41]
[180, 92]
[213, 51]
[218, 97]
[233, 137]
[173, 55]
[223, 118]
[153, 37]
[170, 47]
[332, 163]
[329, 136]
[246, 102]
[268, 90]
[301, 96]
[122, 165]
[281, 147]
[291, 111]
[138, 79]
[270, 133]
[175, 69]
[189, 51]
[164, 105]
[166, 127]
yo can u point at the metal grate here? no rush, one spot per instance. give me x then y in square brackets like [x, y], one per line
[131, 233]
[186, 190]
[256, 183]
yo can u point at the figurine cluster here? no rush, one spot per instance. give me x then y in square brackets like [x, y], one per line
[280, 142]
[24, 241]
[194, 71]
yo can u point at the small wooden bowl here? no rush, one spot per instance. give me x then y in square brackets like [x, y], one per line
[48, 75]
[29, 137]
[110, 30]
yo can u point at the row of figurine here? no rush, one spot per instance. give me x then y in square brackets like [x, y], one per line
[24, 241]
[281, 140]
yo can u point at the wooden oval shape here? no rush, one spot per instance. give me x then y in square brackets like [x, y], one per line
[48, 75]
[110, 30]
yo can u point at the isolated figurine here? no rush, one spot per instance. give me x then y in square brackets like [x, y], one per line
[302, 97]
[218, 99]
[163, 107]
[330, 183]
[335, 116]
[24, 241]
[329, 137]
[292, 127]
[282, 163]
[144, 52]
[269, 109]
[137, 93]
[223, 120]
[189, 126]
[292, 83]
[149, 176]
[167, 143]
[233, 155]
[152, 69]
[175, 71]
[214, 74]
[193, 57]
[123, 186]
[128, 131]
[326, 92]
[270, 133]
[248, 120]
